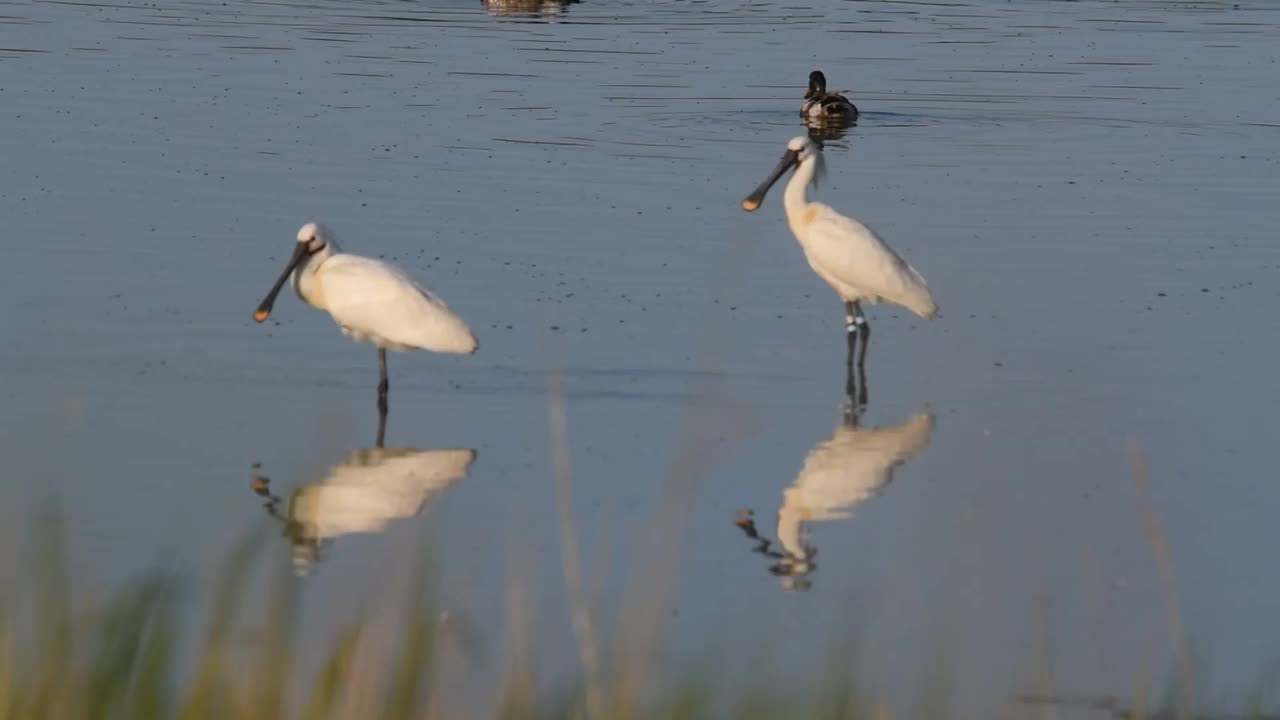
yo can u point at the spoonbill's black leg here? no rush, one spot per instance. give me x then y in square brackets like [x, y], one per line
[861, 324]
[851, 335]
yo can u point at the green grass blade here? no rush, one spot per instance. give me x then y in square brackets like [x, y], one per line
[209, 697]
[275, 660]
[327, 689]
[404, 696]
[150, 696]
[53, 631]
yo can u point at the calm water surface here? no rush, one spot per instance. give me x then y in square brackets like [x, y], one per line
[1090, 188]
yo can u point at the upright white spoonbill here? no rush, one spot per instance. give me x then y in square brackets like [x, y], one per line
[372, 301]
[850, 256]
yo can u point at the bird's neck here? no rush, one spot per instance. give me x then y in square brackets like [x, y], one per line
[305, 283]
[796, 197]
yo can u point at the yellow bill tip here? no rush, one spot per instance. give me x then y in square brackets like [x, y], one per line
[750, 204]
[260, 314]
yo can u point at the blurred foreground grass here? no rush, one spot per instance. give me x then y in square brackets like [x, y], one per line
[65, 654]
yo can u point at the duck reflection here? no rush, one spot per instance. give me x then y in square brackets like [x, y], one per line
[364, 493]
[839, 473]
[829, 128]
[530, 9]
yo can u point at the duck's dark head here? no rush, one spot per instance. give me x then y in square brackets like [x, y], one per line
[817, 85]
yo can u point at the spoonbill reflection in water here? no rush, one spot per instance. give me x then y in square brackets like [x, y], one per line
[363, 494]
[856, 262]
[371, 300]
[839, 473]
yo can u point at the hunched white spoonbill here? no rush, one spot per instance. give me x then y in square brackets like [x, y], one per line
[851, 257]
[372, 301]
[818, 103]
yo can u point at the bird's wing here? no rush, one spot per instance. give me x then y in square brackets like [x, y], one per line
[374, 300]
[854, 253]
[835, 98]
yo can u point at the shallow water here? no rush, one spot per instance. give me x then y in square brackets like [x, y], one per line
[1089, 188]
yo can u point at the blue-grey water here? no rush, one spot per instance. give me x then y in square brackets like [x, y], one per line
[1089, 187]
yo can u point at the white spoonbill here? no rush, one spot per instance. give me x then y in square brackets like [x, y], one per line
[372, 301]
[850, 256]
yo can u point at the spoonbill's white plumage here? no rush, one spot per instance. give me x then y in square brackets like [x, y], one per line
[856, 262]
[371, 300]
